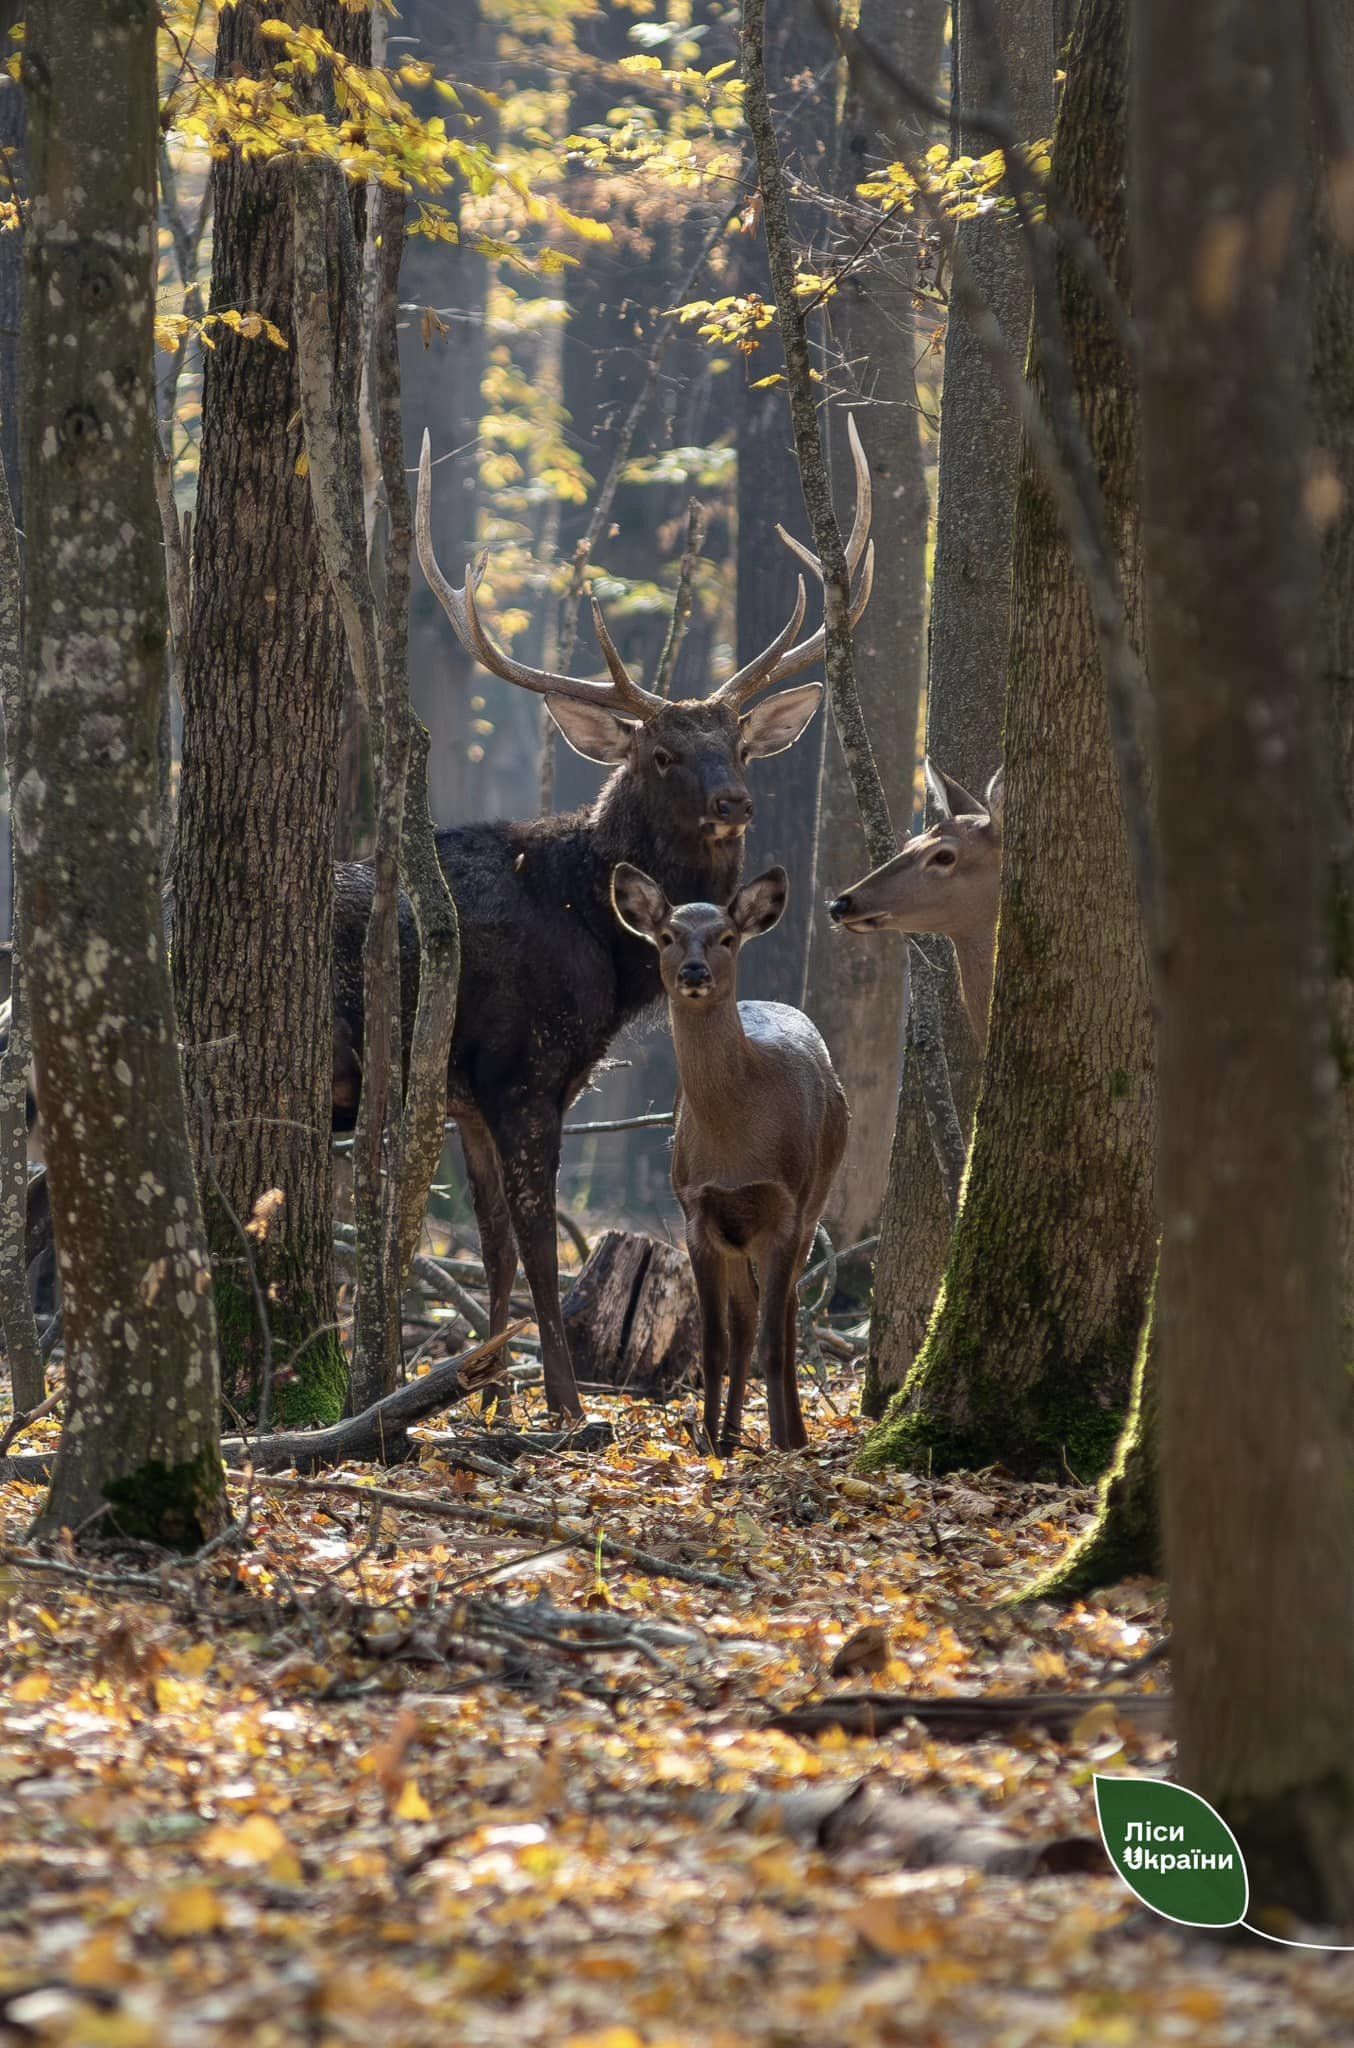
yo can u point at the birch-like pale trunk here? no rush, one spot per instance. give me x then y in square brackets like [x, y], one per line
[140, 1446]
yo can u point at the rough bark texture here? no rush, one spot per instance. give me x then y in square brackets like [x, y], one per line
[1029, 1356]
[856, 988]
[632, 1318]
[263, 695]
[27, 1381]
[1333, 434]
[969, 636]
[1255, 1469]
[796, 61]
[140, 1441]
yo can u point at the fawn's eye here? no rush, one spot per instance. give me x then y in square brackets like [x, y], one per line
[663, 760]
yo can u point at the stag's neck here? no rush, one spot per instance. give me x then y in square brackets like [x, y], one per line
[976, 954]
[715, 1062]
[689, 868]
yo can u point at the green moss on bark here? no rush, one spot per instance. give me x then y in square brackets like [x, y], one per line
[178, 1506]
[309, 1393]
[1125, 1539]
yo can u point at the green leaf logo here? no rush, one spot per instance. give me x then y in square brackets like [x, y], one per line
[1173, 1851]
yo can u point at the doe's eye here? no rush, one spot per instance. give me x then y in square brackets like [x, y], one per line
[664, 941]
[728, 938]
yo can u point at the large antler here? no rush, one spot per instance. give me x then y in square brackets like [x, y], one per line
[780, 659]
[621, 695]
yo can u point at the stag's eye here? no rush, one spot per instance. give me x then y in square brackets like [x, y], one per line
[943, 857]
[663, 760]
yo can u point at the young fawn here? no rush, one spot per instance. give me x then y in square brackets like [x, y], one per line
[761, 1129]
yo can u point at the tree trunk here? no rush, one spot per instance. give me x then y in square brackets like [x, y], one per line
[140, 1443]
[442, 369]
[970, 632]
[855, 988]
[784, 827]
[1333, 431]
[1255, 1469]
[263, 697]
[1029, 1357]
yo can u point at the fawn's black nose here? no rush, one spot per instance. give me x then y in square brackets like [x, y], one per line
[693, 974]
[733, 807]
[838, 908]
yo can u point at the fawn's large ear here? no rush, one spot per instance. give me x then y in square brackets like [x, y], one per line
[638, 901]
[995, 795]
[951, 798]
[761, 904]
[596, 734]
[776, 723]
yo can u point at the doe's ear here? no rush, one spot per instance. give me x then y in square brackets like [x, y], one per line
[775, 724]
[994, 796]
[760, 904]
[951, 798]
[596, 734]
[638, 901]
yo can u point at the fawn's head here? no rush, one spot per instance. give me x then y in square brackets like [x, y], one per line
[946, 879]
[698, 943]
[687, 760]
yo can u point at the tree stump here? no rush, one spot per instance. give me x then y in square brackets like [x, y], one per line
[632, 1319]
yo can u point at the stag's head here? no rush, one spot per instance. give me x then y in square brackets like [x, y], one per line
[691, 757]
[946, 879]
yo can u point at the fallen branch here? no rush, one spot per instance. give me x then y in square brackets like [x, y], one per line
[967, 1720]
[548, 1528]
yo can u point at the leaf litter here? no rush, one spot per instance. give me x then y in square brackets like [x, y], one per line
[384, 1773]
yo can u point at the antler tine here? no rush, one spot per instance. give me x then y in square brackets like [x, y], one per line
[780, 659]
[449, 598]
[643, 701]
[859, 556]
[758, 672]
[620, 695]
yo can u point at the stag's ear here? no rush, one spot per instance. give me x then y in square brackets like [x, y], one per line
[760, 904]
[638, 901]
[951, 798]
[596, 734]
[994, 796]
[776, 724]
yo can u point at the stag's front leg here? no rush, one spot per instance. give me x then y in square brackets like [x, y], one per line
[528, 1140]
[497, 1247]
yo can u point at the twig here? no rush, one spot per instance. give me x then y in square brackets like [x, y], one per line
[659, 1120]
[697, 518]
[18, 1423]
[546, 1527]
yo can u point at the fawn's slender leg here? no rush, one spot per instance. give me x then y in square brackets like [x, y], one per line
[794, 1414]
[708, 1271]
[742, 1337]
[498, 1247]
[778, 1279]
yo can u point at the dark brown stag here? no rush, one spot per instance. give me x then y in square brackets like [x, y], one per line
[548, 974]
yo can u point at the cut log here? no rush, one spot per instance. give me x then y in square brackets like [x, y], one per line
[632, 1319]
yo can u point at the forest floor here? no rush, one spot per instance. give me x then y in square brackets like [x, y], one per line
[389, 1777]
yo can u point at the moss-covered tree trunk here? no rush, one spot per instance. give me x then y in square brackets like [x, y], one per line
[1257, 1501]
[1030, 1353]
[856, 988]
[970, 632]
[140, 1439]
[263, 698]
